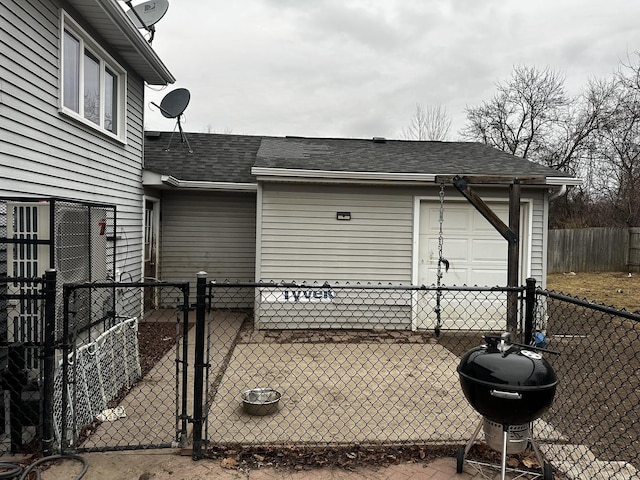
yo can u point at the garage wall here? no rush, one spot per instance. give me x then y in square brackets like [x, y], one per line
[302, 240]
[538, 231]
[214, 232]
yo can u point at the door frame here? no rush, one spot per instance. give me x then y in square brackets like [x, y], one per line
[155, 242]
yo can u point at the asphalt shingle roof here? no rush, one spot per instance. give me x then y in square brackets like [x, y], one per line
[229, 158]
[215, 157]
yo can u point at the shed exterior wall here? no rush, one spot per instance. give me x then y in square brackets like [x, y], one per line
[210, 232]
[300, 239]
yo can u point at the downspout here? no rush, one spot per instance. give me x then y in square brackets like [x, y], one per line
[558, 193]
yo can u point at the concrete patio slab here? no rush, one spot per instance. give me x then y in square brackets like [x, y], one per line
[344, 393]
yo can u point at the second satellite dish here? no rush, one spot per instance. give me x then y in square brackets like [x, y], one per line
[175, 102]
[147, 13]
[173, 105]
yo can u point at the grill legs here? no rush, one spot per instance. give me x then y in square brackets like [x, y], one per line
[462, 453]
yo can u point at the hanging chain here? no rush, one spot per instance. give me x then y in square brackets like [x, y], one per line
[440, 234]
[441, 260]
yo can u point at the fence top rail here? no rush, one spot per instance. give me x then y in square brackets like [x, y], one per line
[592, 305]
[54, 200]
[363, 286]
[34, 280]
[75, 286]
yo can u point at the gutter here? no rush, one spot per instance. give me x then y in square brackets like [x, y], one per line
[155, 180]
[216, 186]
[120, 19]
[556, 193]
[294, 174]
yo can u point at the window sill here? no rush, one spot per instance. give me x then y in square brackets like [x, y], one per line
[70, 114]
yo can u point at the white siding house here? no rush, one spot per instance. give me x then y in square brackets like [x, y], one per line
[72, 79]
[344, 211]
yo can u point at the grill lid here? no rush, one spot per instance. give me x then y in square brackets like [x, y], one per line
[501, 363]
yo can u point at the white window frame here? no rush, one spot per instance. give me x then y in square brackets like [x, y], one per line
[87, 44]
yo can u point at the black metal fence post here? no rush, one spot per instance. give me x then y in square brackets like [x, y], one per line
[184, 414]
[49, 361]
[529, 309]
[199, 366]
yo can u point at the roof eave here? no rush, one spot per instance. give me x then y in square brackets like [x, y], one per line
[111, 21]
[291, 174]
[152, 179]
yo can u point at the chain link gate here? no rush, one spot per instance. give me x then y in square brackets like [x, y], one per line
[120, 378]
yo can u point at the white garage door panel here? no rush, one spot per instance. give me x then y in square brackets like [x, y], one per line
[490, 251]
[491, 278]
[477, 255]
[457, 250]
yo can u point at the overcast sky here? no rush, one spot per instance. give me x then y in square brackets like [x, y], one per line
[356, 69]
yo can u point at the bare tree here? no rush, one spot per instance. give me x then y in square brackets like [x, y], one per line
[523, 112]
[428, 123]
[531, 116]
[618, 145]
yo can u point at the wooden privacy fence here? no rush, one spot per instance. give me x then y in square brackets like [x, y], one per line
[594, 250]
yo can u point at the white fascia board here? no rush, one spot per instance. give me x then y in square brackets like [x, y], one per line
[303, 174]
[564, 181]
[102, 14]
[119, 16]
[222, 186]
[333, 175]
[157, 180]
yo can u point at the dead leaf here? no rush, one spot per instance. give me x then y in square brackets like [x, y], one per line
[530, 462]
[229, 462]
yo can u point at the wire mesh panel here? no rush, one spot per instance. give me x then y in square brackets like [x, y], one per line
[122, 387]
[77, 239]
[596, 406]
[348, 360]
[360, 372]
[21, 306]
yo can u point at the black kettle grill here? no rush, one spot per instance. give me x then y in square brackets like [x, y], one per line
[510, 385]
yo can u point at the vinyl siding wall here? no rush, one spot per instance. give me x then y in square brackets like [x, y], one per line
[44, 153]
[211, 232]
[301, 240]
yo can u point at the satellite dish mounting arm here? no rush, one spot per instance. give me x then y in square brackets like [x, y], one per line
[165, 112]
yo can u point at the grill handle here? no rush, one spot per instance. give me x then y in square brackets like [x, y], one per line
[506, 395]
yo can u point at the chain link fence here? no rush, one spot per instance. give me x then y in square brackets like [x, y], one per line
[597, 403]
[21, 306]
[124, 387]
[349, 364]
[355, 365]
[353, 369]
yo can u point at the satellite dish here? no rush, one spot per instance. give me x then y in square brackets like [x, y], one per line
[175, 102]
[147, 13]
[173, 105]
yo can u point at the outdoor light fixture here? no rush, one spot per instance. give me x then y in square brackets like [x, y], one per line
[343, 216]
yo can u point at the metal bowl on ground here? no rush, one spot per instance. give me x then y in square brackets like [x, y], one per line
[260, 401]
[507, 383]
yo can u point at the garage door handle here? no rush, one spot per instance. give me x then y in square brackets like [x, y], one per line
[506, 395]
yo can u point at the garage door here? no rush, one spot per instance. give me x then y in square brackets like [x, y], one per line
[477, 255]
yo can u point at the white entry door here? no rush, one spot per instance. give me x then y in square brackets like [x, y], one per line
[477, 256]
